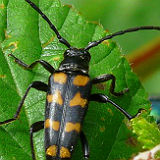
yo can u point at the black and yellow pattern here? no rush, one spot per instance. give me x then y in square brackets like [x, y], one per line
[66, 105]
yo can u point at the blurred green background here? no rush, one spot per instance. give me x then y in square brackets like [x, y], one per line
[117, 15]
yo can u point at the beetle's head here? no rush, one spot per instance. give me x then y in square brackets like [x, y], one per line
[76, 60]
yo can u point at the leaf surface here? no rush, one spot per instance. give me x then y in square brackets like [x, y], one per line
[147, 130]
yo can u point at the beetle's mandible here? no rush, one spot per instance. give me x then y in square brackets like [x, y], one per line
[68, 94]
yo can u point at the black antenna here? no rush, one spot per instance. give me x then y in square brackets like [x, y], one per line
[61, 39]
[95, 43]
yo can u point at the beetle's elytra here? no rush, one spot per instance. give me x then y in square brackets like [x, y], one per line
[67, 101]
[68, 94]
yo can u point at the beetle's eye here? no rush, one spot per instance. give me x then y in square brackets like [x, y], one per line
[82, 57]
[66, 53]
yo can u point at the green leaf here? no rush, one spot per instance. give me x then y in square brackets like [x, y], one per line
[147, 130]
[3, 16]
[29, 38]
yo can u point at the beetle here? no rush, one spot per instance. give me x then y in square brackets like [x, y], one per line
[68, 94]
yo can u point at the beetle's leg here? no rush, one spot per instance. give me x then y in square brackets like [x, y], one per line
[35, 127]
[85, 145]
[37, 85]
[45, 64]
[107, 77]
[104, 99]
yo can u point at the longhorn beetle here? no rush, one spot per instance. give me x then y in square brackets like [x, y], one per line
[68, 94]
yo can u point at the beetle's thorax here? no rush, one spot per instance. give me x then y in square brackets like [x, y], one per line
[75, 60]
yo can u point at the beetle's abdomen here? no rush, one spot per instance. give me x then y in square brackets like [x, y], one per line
[66, 106]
